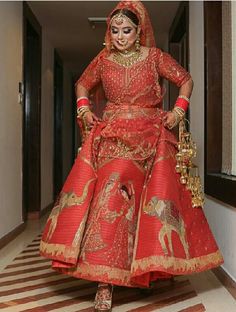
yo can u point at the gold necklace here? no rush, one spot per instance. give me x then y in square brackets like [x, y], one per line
[127, 59]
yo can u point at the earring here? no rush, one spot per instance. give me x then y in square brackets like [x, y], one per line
[137, 43]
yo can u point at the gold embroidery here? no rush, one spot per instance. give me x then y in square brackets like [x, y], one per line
[171, 220]
[176, 265]
[65, 200]
[57, 250]
[121, 251]
[79, 233]
[92, 240]
[142, 266]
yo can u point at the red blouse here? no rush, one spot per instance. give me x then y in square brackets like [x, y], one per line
[138, 84]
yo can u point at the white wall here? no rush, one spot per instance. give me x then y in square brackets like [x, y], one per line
[221, 217]
[233, 14]
[47, 110]
[10, 116]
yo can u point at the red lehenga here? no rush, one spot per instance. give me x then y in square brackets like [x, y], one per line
[122, 216]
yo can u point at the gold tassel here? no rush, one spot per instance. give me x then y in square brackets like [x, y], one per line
[189, 176]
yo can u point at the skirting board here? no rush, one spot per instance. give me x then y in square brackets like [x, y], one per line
[226, 280]
[12, 235]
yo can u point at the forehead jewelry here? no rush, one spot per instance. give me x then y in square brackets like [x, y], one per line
[119, 19]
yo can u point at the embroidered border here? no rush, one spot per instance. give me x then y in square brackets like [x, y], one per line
[176, 266]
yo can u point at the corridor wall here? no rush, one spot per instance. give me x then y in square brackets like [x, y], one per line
[47, 111]
[10, 117]
[221, 217]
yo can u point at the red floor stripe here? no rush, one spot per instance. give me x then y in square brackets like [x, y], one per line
[161, 303]
[34, 245]
[16, 265]
[46, 295]
[32, 287]
[61, 304]
[14, 273]
[27, 257]
[196, 308]
[28, 279]
[29, 250]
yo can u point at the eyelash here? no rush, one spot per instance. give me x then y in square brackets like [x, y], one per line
[125, 31]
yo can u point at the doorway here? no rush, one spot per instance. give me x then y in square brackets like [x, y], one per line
[178, 45]
[58, 113]
[32, 51]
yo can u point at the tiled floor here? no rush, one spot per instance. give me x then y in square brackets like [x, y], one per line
[27, 283]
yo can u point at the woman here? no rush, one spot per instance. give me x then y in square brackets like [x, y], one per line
[123, 217]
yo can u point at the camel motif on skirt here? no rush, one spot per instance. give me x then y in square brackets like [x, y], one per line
[171, 220]
[66, 200]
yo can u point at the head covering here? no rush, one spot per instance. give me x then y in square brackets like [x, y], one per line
[146, 36]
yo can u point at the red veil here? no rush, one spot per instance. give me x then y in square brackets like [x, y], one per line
[146, 36]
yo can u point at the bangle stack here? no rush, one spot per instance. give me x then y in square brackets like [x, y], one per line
[181, 105]
[82, 106]
[182, 102]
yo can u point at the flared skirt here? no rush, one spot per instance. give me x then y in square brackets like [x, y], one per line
[123, 217]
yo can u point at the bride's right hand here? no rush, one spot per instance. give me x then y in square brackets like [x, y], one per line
[90, 119]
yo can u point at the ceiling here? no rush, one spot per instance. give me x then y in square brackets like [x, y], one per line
[67, 27]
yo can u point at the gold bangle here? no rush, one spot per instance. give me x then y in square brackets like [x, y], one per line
[81, 112]
[179, 111]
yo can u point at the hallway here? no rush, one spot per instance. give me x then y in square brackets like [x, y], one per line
[68, 37]
[27, 283]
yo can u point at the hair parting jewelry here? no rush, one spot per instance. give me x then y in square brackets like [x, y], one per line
[119, 19]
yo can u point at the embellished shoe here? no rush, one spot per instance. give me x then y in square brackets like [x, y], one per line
[103, 298]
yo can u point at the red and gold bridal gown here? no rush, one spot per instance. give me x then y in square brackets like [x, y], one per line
[122, 216]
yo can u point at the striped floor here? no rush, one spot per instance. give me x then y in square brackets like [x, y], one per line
[29, 284]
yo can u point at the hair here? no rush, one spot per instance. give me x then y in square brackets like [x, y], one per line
[131, 15]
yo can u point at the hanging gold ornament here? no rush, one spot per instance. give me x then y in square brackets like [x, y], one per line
[186, 168]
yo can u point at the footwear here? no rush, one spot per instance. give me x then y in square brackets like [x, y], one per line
[103, 298]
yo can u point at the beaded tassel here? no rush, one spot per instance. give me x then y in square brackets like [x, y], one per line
[187, 169]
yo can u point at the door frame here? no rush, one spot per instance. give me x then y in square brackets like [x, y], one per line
[179, 42]
[58, 120]
[31, 208]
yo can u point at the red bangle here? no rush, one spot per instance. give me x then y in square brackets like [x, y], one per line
[182, 103]
[82, 102]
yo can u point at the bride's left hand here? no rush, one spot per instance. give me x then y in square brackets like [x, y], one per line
[169, 120]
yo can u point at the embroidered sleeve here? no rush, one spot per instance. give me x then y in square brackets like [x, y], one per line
[170, 69]
[92, 74]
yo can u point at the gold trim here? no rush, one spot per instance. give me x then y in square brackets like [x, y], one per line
[116, 276]
[176, 265]
[55, 251]
[92, 271]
